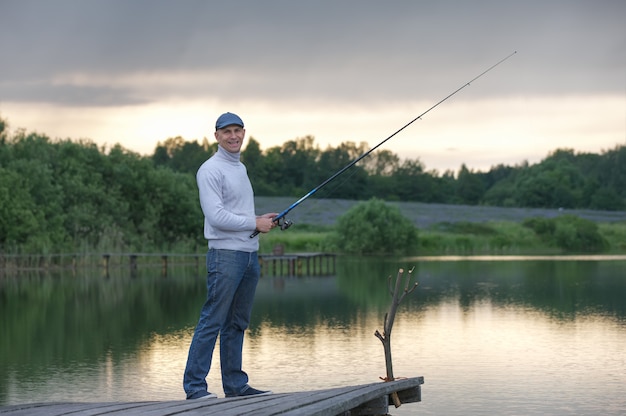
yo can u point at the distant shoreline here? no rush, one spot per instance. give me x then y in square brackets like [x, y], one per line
[326, 211]
[505, 257]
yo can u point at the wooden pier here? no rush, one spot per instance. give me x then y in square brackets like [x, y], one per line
[298, 264]
[277, 263]
[364, 400]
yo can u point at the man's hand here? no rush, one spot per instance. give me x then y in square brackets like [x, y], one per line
[265, 222]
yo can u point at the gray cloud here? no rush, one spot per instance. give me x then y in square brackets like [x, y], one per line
[326, 50]
[71, 95]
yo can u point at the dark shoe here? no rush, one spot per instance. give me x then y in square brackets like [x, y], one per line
[202, 395]
[250, 391]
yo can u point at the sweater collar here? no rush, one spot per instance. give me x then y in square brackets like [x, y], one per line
[230, 157]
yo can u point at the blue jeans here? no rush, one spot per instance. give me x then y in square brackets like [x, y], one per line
[231, 283]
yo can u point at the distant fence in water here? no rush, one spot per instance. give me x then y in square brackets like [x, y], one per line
[275, 264]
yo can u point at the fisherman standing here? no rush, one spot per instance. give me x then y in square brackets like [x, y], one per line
[233, 270]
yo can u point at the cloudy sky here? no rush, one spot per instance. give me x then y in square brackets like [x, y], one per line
[138, 72]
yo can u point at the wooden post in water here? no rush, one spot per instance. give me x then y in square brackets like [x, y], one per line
[105, 264]
[292, 266]
[133, 265]
[164, 265]
[385, 338]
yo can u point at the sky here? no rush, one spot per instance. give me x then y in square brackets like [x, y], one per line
[139, 72]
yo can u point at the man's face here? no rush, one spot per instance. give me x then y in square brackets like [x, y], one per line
[231, 137]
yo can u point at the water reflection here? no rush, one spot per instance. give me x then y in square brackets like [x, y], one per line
[563, 289]
[490, 337]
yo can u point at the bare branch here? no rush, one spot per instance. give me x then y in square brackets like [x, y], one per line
[413, 288]
[408, 279]
[397, 295]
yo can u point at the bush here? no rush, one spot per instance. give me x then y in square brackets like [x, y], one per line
[570, 233]
[543, 227]
[615, 235]
[374, 227]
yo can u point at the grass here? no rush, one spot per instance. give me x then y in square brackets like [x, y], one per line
[305, 238]
[504, 238]
[487, 238]
[463, 238]
[615, 234]
[443, 229]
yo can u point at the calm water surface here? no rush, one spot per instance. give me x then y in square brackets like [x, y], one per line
[514, 337]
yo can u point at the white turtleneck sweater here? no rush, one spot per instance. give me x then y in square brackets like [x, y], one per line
[227, 201]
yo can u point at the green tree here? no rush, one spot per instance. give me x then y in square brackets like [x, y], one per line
[353, 183]
[612, 171]
[19, 220]
[32, 157]
[381, 163]
[4, 126]
[299, 159]
[409, 182]
[605, 198]
[181, 155]
[469, 187]
[252, 158]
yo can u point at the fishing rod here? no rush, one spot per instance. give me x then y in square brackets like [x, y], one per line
[281, 219]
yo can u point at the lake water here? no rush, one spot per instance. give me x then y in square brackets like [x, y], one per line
[538, 336]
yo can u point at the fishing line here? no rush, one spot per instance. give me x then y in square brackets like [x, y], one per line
[281, 219]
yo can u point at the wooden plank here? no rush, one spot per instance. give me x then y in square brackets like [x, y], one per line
[301, 403]
[328, 402]
[222, 407]
[348, 400]
[245, 406]
[59, 409]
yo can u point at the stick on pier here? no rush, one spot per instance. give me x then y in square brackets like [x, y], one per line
[385, 337]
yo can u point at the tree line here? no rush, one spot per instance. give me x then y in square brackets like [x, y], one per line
[564, 179]
[60, 195]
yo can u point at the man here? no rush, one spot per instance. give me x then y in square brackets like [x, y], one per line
[227, 201]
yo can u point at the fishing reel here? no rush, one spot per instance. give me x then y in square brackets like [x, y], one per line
[284, 223]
